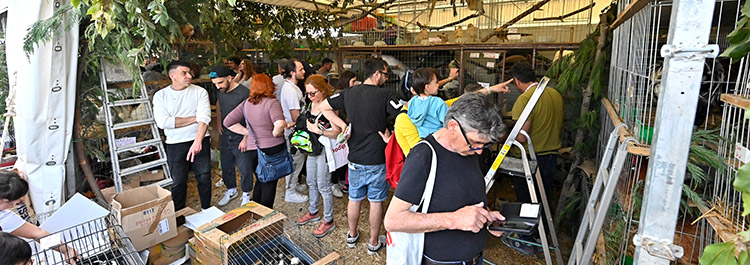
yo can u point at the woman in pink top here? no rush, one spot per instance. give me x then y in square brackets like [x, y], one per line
[262, 111]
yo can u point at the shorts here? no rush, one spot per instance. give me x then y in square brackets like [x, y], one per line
[367, 181]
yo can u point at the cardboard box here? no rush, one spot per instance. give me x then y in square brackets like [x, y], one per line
[146, 214]
[151, 175]
[247, 226]
[172, 249]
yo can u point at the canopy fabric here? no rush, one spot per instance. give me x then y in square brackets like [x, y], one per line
[304, 4]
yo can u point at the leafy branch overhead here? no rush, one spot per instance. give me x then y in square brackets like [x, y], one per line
[739, 38]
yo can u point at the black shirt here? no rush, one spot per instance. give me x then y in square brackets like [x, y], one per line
[368, 108]
[458, 183]
[229, 101]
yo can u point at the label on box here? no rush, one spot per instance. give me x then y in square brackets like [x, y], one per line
[514, 36]
[347, 66]
[529, 210]
[491, 64]
[474, 55]
[492, 55]
[50, 241]
[741, 153]
[163, 226]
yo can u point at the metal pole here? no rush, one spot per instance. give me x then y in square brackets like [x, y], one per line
[684, 54]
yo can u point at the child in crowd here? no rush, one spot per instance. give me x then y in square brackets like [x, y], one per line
[14, 250]
[426, 111]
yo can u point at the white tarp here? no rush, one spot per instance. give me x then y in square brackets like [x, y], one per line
[45, 97]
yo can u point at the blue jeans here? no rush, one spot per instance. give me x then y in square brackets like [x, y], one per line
[367, 181]
[179, 167]
[231, 155]
[319, 181]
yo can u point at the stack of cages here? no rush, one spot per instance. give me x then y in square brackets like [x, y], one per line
[264, 63]
[285, 244]
[634, 82]
[100, 241]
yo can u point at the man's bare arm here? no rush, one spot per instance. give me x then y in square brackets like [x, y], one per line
[527, 128]
[183, 121]
[330, 114]
[398, 218]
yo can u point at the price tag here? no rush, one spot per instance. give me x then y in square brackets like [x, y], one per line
[491, 64]
[491, 55]
[474, 55]
[163, 226]
[529, 210]
[513, 30]
[741, 153]
[347, 66]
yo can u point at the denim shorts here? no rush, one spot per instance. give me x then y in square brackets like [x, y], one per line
[367, 181]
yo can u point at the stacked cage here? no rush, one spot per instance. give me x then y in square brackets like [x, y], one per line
[100, 241]
[634, 83]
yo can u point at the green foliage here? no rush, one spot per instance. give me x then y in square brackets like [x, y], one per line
[723, 254]
[742, 184]
[739, 38]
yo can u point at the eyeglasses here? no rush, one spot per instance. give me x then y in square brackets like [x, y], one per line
[463, 133]
[312, 94]
[384, 73]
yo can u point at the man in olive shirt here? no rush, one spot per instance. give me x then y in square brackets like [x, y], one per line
[543, 126]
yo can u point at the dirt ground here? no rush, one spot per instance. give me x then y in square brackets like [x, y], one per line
[495, 252]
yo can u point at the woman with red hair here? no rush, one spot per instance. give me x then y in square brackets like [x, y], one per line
[261, 111]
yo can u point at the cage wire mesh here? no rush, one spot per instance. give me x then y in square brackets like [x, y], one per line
[634, 82]
[406, 22]
[284, 244]
[100, 241]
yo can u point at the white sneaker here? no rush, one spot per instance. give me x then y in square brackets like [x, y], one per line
[300, 188]
[295, 197]
[245, 199]
[336, 190]
[228, 196]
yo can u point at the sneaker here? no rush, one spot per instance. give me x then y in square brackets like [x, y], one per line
[524, 248]
[228, 196]
[351, 242]
[323, 229]
[245, 199]
[345, 188]
[371, 250]
[308, 218]
[295, 197]
[300, 188]
[336, 190]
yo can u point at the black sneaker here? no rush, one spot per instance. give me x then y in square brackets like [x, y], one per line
[345, 188]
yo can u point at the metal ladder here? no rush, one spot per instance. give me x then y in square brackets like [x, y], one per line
[523, 167]
[119, 75]
[599, 202]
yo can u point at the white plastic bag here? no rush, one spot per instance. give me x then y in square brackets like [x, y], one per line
[407, 248]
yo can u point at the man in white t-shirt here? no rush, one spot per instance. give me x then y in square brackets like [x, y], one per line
[292, 101]
[184, 112]
[278, 79]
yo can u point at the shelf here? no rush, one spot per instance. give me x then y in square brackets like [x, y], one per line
[736, 100]
[467, 46]
[631, 10]
[636, 149]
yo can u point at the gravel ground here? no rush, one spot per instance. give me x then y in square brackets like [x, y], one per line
[495, 252]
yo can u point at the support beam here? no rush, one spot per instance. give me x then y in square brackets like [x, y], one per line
[684, 56]
[633, 8]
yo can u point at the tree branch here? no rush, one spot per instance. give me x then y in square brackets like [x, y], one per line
[502, 28]
[477, 14]
[561, 18]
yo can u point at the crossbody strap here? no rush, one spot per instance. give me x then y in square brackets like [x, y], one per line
[247, 124]
[427, 195]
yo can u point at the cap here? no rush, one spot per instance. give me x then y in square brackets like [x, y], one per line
[220, 71]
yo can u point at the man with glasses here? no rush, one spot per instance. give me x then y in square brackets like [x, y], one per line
[455, 225]
[543, 126]
[292, 101]
[368, 107]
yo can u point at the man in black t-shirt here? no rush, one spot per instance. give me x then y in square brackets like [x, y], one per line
[233, 147]
[368, 107]
[455, 223]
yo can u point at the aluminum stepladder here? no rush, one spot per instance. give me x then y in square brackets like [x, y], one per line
[599, 202]
[523, 167]
[139, 99]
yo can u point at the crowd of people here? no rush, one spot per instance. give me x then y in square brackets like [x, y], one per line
[260, 115]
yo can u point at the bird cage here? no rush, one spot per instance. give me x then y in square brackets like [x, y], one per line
[100, 241]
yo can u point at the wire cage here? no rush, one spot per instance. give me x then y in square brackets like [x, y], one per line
[285, 244]
[100, 241]
[412, 22]
[634, 82]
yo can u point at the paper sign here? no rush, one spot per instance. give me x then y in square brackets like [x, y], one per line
[347, 66]
[491, 64]
[512, 30]
[529, 210]
[514, 36]
[491, 55]
[474, 55]
[203, 217]
[163, 226]
[741, 153]
[484, 85]
[124, 141]
[50, 241]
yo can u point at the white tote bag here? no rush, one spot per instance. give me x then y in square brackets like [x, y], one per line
[336, 153]
[407, 248]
